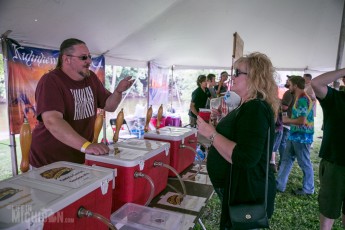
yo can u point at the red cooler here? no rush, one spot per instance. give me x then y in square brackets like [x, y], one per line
[180, 157]
[136, 156]
[154, 121]
[50, 197]
[168, 121]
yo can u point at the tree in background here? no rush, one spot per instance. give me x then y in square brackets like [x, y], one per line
[140, 86]
[2, 81]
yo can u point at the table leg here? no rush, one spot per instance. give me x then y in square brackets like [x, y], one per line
[201, 224]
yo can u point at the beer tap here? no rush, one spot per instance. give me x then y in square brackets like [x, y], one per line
[148, 119]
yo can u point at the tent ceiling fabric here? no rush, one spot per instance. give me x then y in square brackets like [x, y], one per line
[295, 34]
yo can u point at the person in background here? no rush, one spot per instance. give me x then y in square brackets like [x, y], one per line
[342, 87]
[336, 85]
[222, 86]
[67, 101]
[309, 90]
[332, 165]
[300, 139]
[211, 83]
[199, 99]
[239, 141]
[278, 134]
[286, 106]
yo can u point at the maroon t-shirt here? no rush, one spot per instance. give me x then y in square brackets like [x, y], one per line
[78, 102]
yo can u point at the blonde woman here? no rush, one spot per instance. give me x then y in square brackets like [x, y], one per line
[239, 141]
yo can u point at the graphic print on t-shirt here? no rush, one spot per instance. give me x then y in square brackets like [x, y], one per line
[83, 103]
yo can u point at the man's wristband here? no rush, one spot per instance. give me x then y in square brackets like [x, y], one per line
[85, 145]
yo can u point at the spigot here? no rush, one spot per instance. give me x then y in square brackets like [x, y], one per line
[82, 212]
[157, 163]
[138, 174]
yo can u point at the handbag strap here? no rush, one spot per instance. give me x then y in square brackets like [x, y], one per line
[267, 164]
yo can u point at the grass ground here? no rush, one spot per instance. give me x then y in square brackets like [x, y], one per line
[5, 156]
[291, 212]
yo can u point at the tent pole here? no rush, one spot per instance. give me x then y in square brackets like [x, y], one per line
[148, 85]
[341, 42]
[176, 87]
[14, 162]
[171, 89]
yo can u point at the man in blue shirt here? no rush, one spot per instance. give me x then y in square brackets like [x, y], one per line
[300, 139]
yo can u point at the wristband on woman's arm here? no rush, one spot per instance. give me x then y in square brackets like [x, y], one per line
[85, 145]
[212, 137]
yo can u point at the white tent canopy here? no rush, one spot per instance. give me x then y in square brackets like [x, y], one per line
[295, 34]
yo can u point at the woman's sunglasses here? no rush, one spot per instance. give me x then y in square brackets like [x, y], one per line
[237, 73]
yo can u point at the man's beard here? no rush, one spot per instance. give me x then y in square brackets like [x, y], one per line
[85, 74]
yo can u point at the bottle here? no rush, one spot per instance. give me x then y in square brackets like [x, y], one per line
[200, 156]
[140, 132]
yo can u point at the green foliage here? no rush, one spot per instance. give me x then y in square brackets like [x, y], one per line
[186, 81]
[5, 156]
[121, 72]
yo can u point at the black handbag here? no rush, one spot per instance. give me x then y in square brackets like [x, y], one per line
[250, 216]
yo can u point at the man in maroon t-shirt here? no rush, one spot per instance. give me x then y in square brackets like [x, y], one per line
[67, 101]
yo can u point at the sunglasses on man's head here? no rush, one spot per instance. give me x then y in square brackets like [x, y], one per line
[238, 72]
[83, 57]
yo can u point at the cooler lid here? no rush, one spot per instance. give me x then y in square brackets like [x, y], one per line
[20, 205]
[29, 198]
[150, 145]
[171, 133]
[127, 156]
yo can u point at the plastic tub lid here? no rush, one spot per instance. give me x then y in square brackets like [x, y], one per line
[143, 218]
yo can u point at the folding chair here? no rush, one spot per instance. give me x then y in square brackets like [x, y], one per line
[113, 125]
